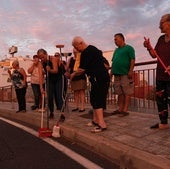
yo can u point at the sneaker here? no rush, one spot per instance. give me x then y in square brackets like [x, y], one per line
[92, 124]
[98, 129]
[115, 112]
[122, 114]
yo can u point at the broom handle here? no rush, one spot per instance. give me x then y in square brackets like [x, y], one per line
[158, 57]
[47, 91]
[162, 63]
[42, 109]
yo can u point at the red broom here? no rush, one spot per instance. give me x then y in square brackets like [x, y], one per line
[44, 132]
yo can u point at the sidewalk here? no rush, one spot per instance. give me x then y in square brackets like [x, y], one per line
[128, 141]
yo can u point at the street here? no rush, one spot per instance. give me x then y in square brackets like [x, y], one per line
[21, 148]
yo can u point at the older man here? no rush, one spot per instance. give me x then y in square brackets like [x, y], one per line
[162, 49]
[92, 64]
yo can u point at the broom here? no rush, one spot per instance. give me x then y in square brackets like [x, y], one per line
[44, 132]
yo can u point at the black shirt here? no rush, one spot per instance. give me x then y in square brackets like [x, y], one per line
[51, 76]
[92, 62]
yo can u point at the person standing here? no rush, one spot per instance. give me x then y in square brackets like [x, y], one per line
[78, 83]
[50, 66]
[91, 63]
[19, 80]
[123, 62]
[35, 70]
[162, 49]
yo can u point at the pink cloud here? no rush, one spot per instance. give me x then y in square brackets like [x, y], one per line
[111, 2]
[41, 23]
[131, 36]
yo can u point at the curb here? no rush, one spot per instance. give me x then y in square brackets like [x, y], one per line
[125, 156]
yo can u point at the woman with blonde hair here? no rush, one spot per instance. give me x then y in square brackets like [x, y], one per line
[78, 83]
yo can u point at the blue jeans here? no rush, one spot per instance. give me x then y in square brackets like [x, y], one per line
[56, 91]
[37, 94]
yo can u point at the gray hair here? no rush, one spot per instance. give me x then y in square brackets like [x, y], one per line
[77, 40]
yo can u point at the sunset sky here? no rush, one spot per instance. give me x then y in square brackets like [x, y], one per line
[34, 24]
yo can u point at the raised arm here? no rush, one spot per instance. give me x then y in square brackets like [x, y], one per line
[149, 47]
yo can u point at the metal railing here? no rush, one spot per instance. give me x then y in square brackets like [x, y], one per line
[143, 98]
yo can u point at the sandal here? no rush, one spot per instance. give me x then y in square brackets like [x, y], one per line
[92, 123]
[98, 129]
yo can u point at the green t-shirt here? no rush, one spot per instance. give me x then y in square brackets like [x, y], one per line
[121, 60]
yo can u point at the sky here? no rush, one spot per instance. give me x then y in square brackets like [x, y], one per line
[34, 24]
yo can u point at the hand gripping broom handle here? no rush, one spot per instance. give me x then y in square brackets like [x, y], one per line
[157, 56]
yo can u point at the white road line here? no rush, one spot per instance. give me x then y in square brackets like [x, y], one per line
[71, 154]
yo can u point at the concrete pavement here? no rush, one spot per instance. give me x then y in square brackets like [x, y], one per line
[128, 141]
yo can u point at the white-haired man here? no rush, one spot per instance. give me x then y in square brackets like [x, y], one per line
[92, 64]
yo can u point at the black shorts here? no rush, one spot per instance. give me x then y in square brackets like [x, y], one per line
[98, 94]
